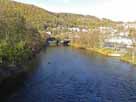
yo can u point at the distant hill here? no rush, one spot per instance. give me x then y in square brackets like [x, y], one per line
[39, 17]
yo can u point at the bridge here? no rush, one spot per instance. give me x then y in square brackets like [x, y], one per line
[52, 41]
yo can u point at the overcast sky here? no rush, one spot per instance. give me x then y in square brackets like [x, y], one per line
[119, 10]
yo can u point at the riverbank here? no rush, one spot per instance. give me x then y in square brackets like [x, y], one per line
[103, 51]
[127, 58]
[12, 71]
[108, 52]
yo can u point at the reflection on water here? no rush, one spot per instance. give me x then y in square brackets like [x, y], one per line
[72, 75]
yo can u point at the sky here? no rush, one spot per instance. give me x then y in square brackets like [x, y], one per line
[117, 10]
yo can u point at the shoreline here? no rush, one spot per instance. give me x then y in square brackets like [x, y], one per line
[105, 53]
[9, 72]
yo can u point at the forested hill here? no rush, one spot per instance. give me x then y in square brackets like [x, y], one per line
[18, 38]
[34, 15]
[40, 18]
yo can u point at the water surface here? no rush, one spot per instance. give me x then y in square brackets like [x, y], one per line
[64, 74]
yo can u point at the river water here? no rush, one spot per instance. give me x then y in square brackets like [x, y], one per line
[66, 74]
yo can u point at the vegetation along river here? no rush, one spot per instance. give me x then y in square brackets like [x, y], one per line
[65, 74]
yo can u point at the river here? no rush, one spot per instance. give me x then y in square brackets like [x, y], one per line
[65, 74]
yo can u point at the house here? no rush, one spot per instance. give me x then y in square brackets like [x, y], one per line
[74, 29]
[125, 34]
[129, 25]
[107, 30]
[119, 41]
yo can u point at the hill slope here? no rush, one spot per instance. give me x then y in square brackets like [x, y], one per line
[40, 17]
[17, 36]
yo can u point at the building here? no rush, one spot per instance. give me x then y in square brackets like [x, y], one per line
[74, 29]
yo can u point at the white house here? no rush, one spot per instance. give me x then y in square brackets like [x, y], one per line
[120, 41]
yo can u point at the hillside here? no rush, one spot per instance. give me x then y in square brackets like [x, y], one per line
[40, 17]
[18, 38]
